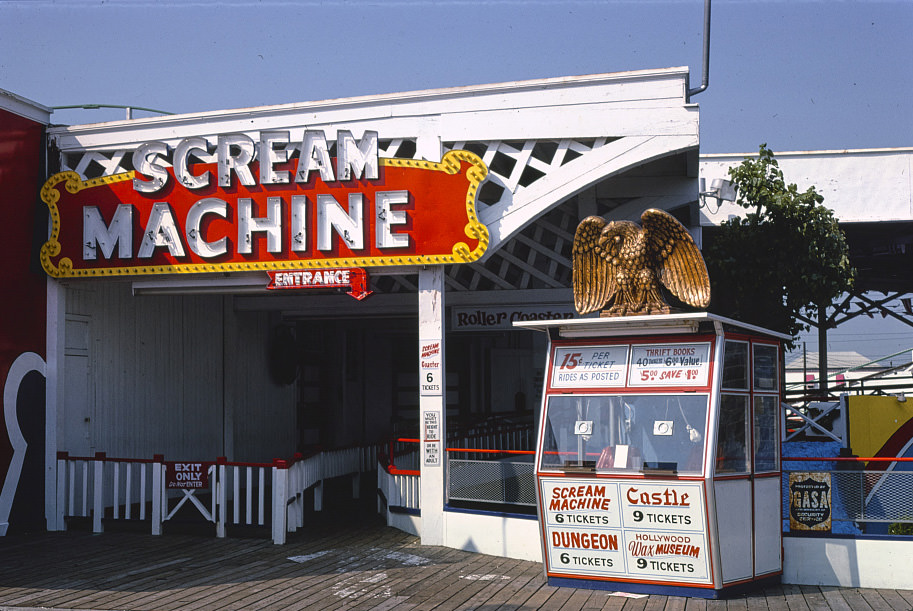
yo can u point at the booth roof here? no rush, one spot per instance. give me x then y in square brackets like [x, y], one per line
[635, 325]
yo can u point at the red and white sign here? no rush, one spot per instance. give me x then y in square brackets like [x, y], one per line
[431, 368]
[670, 365]
[355, 279]
[187, 475]
[625, 529]
[276, 213]
[589, 366]
[665, 531]
[582, 526]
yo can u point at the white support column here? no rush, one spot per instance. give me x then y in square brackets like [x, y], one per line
[432, 403]
[159, 500]
[58, 523]
[280, 502]
[98, 489]
[56, 315]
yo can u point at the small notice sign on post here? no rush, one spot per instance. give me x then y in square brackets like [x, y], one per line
[810, 501]
[432, 453]
[431, 359]
[187, 475]
[432, 438]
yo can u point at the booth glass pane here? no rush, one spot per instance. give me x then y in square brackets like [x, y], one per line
[765, 433]
[765, 367]
[735, 365]
[642, 433]
[732, 445]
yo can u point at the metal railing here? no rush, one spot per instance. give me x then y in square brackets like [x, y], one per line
[485, 474]
[240, 493]
[501, 482]
[862, 491]
[816, 420]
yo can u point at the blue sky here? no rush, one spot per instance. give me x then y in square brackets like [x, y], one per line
[797, 75]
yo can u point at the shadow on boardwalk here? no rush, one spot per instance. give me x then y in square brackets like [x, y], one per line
[344, 560]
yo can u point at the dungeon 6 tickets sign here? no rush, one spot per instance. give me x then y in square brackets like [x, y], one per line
[625, 529]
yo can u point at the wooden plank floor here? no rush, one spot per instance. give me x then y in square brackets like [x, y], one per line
[350, 562]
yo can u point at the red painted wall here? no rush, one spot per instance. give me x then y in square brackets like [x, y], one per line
[22, 294]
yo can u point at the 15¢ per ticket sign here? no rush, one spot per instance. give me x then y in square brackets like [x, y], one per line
[589, 366]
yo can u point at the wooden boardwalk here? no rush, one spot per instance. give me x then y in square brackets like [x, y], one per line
[349, 563]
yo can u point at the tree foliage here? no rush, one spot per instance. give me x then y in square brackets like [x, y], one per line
[785, 259]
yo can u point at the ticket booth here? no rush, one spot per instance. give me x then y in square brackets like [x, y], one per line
[658, 462]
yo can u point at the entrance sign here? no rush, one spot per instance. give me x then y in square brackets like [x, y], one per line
[180, 218]
[355, 279]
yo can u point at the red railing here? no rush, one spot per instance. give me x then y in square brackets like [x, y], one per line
[849, 458]
[392, 469]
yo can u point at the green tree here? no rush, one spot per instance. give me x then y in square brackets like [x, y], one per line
[787, 258]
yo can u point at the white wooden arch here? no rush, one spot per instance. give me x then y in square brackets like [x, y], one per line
[522, 206]
[546, 142]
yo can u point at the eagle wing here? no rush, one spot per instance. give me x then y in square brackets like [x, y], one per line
[595, 259]
[594, 285]
[679, 264]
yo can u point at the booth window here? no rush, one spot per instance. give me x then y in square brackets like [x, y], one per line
[765, 433]
[765, 367]
[626, 433]
[732, 444]
[735, 365]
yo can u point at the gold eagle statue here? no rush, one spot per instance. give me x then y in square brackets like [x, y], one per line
[620, 260]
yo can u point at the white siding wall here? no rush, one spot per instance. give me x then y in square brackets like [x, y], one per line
[261, 414]
[165, 371]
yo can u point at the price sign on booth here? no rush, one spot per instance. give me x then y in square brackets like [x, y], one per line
[589, 367]
[670, 365]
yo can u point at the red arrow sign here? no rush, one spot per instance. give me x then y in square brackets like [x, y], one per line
[355, 279]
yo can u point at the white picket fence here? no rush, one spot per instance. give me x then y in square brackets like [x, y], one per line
[249, 494]
[400, 487]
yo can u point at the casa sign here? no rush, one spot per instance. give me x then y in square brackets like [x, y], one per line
[273, 204]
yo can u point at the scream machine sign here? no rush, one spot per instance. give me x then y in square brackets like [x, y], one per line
[238, 205]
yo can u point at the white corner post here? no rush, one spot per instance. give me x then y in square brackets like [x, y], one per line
[53, 401]
[432, 403]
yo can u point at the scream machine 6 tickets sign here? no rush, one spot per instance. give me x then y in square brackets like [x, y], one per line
[232, 204]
